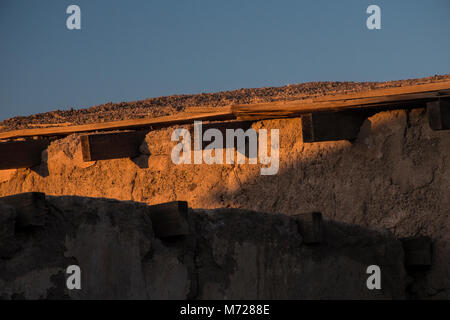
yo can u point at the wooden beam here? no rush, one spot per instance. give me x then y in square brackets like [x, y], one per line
[310, 227]
[222, 127]
[111, 145]
[417, 251]
[31, 208]
[416, 95]
[332, 126]
[439, 114]
[21, 154]
[170, 219]
[183, 118]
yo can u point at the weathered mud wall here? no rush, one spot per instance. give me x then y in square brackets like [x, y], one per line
[229, 254]
[395, 176]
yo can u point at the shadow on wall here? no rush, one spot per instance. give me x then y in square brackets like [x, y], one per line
[393, 176]
[227, 254]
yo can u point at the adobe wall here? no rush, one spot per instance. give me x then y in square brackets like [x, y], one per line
[395, 176]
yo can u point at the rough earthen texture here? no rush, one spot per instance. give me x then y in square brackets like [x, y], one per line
[230, 254]
[395, 176]
[162, 106]
[246, 255]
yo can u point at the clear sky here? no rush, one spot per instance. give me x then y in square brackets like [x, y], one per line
[135, 49]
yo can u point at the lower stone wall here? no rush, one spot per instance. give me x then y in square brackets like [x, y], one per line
[229, 254]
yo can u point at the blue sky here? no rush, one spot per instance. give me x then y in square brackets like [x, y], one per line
[135, 49]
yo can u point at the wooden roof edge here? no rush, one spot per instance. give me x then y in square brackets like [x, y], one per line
[250, 111]
[366, 94]
[224, 114]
